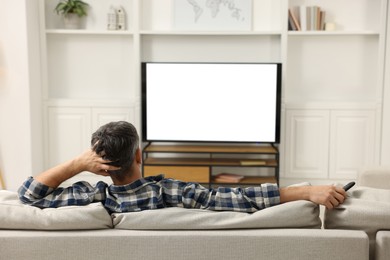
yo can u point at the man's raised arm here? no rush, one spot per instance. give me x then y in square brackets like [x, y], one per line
[87, 161]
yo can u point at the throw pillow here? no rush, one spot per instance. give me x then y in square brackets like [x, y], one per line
[15, 215]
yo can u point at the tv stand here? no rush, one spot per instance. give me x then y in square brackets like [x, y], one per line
[195, 163]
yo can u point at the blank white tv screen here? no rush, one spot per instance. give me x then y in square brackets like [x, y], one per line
[211, 102]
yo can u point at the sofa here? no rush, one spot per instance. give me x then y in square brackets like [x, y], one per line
[355, 230]
[367, 209]
[287, 231]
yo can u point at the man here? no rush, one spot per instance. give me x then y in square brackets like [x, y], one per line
[115, 152]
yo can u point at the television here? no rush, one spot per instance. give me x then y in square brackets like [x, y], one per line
[211, 102]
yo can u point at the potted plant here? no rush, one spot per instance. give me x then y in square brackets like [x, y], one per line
[72, 12]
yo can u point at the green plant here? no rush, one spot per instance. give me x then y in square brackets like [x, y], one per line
[65, 7]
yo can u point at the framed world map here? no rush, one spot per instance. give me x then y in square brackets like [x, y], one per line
[212, 15]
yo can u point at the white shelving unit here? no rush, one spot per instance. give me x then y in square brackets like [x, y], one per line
[332, 80]
[333, 92]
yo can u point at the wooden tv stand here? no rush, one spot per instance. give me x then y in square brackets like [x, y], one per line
[194, 163]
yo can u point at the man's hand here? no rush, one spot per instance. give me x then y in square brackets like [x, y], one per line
[329, 196]
[87, 161]
[92, 162]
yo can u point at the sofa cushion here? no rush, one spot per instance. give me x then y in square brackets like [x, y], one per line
[296, 214]
[275, 244]
[382, 251]
[375, 177]
[15, 215]
[366, 209]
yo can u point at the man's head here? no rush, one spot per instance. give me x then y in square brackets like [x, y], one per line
[118, 143]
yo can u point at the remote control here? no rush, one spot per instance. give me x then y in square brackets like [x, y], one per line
[349, 185]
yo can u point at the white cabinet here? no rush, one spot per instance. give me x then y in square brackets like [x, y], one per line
[332, 81]
[329, 144]
[352, 143]
[89, 78]
[307, 144]
[333, 92]
[70, 128]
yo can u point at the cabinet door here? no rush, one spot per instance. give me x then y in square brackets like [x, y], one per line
[69, 131]
[307, 143]
[184, 173]
[352, 142]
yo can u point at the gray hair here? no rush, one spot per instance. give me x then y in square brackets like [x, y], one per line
[118, 143]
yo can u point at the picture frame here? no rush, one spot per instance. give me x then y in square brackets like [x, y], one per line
[209, 15]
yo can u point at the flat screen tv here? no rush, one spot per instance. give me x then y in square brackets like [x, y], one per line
[211, 102]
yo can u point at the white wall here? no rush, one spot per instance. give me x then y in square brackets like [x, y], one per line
[20, 122]
[20, 93]
[385, 142]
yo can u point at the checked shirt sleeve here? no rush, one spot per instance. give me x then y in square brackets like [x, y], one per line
[37, 194]
[193, 195]
[250, 199]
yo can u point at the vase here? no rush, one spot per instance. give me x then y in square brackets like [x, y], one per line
[72, 21]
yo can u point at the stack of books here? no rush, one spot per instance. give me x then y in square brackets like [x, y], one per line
[228, 178]
[306, 18]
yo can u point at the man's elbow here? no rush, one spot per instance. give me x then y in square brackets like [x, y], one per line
[25, 197]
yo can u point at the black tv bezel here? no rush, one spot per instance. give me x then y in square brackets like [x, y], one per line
[278, 104]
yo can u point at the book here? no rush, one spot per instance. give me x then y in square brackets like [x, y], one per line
[228, 177]
[253, 162]
[311, 18]
[294, 21]
[322, 20]
[303, 17]
[313, 21]
[291, 25]
[290, 28]
[308, 18]
[318, 21]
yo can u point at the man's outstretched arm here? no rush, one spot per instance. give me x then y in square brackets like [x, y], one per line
[249, 199]
[329, 196]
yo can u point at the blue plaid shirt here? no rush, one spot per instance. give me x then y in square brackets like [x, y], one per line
[150, 193]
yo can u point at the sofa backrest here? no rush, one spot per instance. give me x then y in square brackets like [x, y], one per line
[375, 177]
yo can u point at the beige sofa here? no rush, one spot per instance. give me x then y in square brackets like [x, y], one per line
[288, 231]
[367, 209]
[358, 229]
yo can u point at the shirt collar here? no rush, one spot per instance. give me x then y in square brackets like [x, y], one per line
[137, 184]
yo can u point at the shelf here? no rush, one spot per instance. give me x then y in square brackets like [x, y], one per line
[186, 165]
[248, 149]
[341, 105]
[212, 33]
[212, 162]
[258, 33]
[247, 180]
[69, 102]
[88, 32]
[331, 33]
[216, 33]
